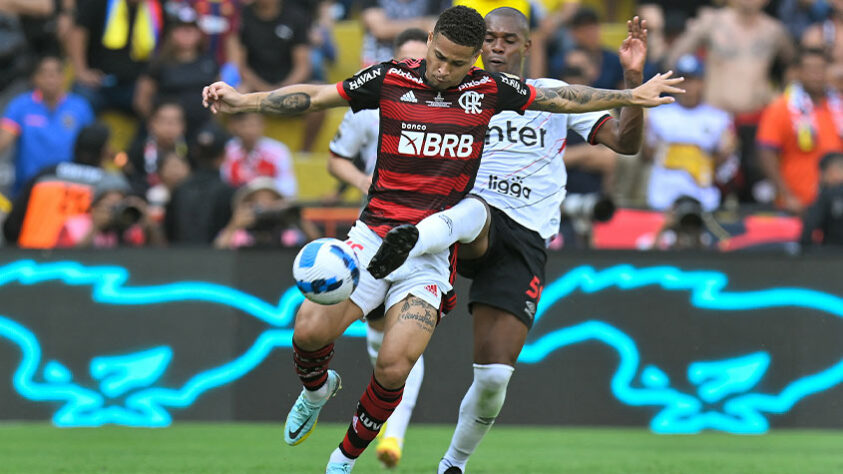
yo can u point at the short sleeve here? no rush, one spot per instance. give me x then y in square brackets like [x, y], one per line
[349, 139]
[363, 90]
[13, 117]
[772, 129]
[513, 93]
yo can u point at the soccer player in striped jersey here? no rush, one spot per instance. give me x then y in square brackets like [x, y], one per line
[522, 178]
[358, 136]
[434, 113]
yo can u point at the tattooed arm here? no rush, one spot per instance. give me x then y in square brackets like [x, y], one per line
[290, 100]
[578, 99]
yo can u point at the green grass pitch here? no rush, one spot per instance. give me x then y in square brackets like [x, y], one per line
[258, 448]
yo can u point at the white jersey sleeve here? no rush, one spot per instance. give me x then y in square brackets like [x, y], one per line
[358, 134]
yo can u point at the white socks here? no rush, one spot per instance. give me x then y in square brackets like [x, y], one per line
[461, 223]
[338, 456]
[397, 424]
[478, 411]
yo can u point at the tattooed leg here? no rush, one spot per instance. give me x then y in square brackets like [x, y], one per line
[409, 326]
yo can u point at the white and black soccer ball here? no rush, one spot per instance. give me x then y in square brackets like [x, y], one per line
[326, 271]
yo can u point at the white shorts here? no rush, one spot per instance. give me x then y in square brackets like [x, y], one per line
[425, 276]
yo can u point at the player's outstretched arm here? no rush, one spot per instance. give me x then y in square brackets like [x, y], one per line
[289, 100]
[578, 99]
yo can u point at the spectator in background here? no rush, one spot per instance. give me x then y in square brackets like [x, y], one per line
[219, 20]
[822, 223]
[551, 34]
[115, 218]
[585, 31]
[173, 169]
[684, 227]
[110, 46]
[799, 127]
[164, 134]
[273, 48]
[250, 155]
[263, 217]
[200, 206]
[799, 15]
[686, 141]
[44, 122]
[18, 42]
[385, 19]
[827, 34]
[741, 43]
[59, 192]
[180, 69]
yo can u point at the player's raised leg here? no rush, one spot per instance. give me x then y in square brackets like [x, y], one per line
[464, 223]
[391, 440]
[498, 339]
[316, 328]
[409, 325]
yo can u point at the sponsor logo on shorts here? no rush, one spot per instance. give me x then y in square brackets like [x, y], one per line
[512, 186]
[432, 289]
[530, 309]
[363, 78]
[471, 102]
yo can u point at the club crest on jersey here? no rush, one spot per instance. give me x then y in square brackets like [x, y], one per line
[419, 143]
[471, 102]
[364, 78]
[438, 101]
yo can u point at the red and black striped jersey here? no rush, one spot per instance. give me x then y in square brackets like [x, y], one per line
[430, 140]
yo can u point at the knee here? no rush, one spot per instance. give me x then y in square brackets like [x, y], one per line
[308, 333]
[492, 378]
[392, 373]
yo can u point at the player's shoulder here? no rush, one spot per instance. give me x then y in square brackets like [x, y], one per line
[546, 82]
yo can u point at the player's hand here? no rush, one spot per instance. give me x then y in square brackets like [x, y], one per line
[633, 50]
[650, 93]
[221, 97]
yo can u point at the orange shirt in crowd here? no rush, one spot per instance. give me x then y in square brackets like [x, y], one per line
[799, 169]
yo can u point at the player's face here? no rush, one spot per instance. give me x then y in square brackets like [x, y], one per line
[505, 45]
[447, 62]
[411, 50]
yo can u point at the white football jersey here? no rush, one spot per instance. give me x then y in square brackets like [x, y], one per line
[358, 133]
[522, 172]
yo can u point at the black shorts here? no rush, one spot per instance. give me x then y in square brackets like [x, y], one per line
[510, 276]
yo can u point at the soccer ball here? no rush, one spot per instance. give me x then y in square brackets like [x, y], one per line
[326, 271]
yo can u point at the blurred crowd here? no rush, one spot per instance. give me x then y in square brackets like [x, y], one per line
[760, 128]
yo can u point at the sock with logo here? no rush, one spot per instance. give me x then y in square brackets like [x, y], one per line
[312, 369]
[478, 411]
[461, 223]
[375, 406]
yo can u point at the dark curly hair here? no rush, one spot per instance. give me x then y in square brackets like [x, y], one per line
[463, 26]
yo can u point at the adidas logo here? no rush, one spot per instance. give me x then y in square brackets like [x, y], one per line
[409, 97]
